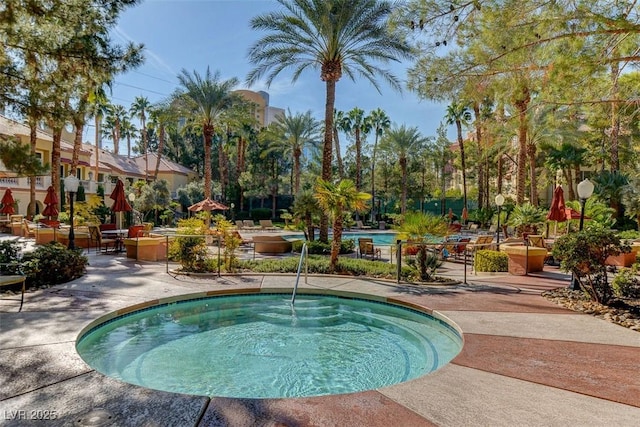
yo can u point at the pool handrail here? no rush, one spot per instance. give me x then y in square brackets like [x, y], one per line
[304, 255]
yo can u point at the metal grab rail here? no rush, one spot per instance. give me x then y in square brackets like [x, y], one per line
[304, 255]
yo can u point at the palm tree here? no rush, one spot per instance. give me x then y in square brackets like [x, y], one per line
[401, 142]
[459, 114]
[290, 135]
[128, 130]
[98, 109]
[417, 227]
[160, 116]
[140, 108]
[305, 207]
[115, 114]
[357, 124]
[380, 122]
[205, 98]
[337, 200]
[338, 117]
[337, 37]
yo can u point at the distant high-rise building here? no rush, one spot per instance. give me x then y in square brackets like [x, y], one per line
[263, 112]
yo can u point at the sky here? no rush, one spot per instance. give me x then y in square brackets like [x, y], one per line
[196, 34]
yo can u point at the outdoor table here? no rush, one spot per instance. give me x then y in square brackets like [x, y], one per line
[119, 235]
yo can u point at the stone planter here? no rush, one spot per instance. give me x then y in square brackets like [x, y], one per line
[152, 248]
[624, 260]
[45, 235]
[80, 238]
[523, 259]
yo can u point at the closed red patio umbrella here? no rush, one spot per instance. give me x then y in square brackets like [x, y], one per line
[557, 212]
[51, 202]
[120, 203]
[7, 203]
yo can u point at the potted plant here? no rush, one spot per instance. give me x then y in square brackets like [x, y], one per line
[526, 219]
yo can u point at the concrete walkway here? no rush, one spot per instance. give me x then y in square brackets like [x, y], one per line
[525, 362]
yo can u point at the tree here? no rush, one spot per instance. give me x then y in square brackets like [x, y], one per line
[305, 207]
[161, 116]
[358, 126]
[140, 109]
[338, 37]
[338, 117]
[205, 98]
[290, 134]
[380, 123]
[422, 228]
[459, 114]
[338, 199]
[401, 142]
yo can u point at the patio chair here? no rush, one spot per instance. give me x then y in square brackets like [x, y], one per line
[11, 274]
[28, 228]
[239, 224]
[366, 248]
[96, 240]
[537, 241]
[460, 247]
[135, 231]
[266, 224]
[481, 242]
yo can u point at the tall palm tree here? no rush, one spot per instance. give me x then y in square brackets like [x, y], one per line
[459, 114]
[140, 108]
[128, 130]
[115, 114]
[401, 142]
[98, 108]
[357, 124]
[380, 122]
[337, 37]
[338, 199]
[205, 98]
[291, 134]
[160, 115]
[338, 117]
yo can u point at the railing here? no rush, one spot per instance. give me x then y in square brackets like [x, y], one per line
[304, 255]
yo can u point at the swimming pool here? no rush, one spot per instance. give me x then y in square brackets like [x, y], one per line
[379, 238]
[259, 346]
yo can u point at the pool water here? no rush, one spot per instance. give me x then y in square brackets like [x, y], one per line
[259, 346]
[379, 238]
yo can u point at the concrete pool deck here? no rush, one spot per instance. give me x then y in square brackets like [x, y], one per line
[525, 362]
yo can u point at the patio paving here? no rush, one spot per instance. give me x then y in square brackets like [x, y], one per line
[525, 362]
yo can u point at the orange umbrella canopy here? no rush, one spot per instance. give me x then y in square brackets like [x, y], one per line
[120, 203]
[7, 203]
[207, 205]
[51, 202]
[558, 210]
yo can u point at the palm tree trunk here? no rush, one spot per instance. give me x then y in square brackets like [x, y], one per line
[208, 136]
[615, 119]
[403, 168]
[336, 140]
[55, 164]
[480, 163]
[77, 144]
[327, 150]
[463, 163]
[98, 143]
[296, 170]
[531, 153]
[33, 138]
[335, 244]
[161, 135]
[373, 177]
[521, 105]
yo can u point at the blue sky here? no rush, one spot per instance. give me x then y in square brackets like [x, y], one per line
[194, 34]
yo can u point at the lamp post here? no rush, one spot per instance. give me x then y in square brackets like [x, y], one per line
[499, 202]
[132, 198]
[71, 185]
[585, 190]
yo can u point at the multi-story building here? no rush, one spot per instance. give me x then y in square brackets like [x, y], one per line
[95, 168]
[262, 111]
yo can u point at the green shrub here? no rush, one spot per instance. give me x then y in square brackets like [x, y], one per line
[320, 265]
[260, 213]
[52, 264]
[490, 261]
[626, 283]
[629, 235]
[317, 247]
[190, 252]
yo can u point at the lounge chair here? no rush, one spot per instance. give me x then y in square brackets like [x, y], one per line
[361, 226]
[28, 228]
[250, 225]
[481, 242]
[537, 241]
[366, 248]
[266, 224]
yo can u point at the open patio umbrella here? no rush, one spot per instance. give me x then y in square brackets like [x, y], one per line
[557, 212]
[51, 202]
[7, 203]
[120, 203]
[207, 205]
